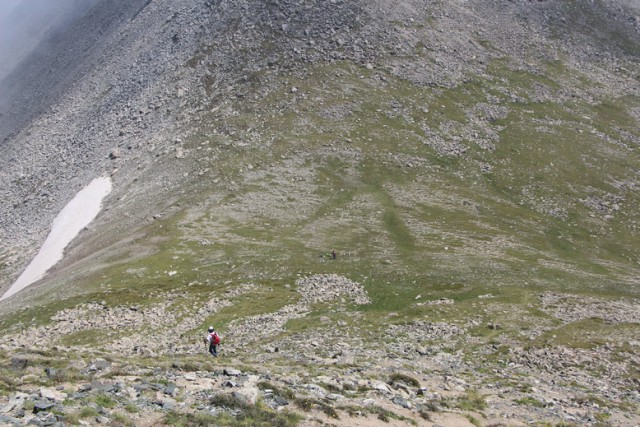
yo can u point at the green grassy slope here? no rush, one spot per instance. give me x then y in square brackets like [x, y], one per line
[501, 185]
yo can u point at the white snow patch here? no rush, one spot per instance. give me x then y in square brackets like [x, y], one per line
[76, 215]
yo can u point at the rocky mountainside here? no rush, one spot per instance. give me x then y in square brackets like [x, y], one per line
[474, 165]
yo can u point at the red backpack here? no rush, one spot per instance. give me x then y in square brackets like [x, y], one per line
[215, 338]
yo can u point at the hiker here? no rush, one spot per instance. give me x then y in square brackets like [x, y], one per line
[212, 340]
[333, 254]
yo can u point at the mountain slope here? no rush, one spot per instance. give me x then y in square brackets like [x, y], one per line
[473, 164]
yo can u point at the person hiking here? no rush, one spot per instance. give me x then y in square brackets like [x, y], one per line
[212, 340]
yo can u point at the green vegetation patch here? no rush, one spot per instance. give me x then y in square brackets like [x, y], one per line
[308, 404]
[249, 415]
[399, 377]
[588, 333]
[471, 400]
[530, 401]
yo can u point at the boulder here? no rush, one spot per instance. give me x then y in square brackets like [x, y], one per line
[170, 389]
[42, 406]
[115, 153]
[19, 362]
[52, 394]
[402, 402]
[52, 372]
[248, 395]
[380, 386]
[10, 421]
[14, 402]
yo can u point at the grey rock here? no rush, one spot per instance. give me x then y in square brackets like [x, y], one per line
[141, 387]
[170, 389]
[380, 386]
[402, 402]
[115, 153]
[97, 386]
[15, 401]
[51, 394]
[19, 362]
[232, 372]
[334, 396]
[280, 401]
[42, 406]
[7, 420]
[248, 395]
[240, 397]
[51, 372]
[97, 366]
[422, 351]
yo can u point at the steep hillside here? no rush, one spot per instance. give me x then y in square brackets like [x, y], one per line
[473, 164]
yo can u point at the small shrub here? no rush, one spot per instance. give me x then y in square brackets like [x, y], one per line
[353, 411]
[131, 408]
[88, 412]
[189, 420]
[349, 387]
[282, 392]
[307, 404]
[385, 415]
[425, 415]
[602, 417]
[64, 376]
[530, 401]
[403, 378]
[71, 419]
[363, 389]
[227, 401]
[431, 407]
[191, 366]
[473, 420]
[7, 381]
[331, 387]
[246, 415]
[119, 371]
[471, 401]
[304, 404]
[122, 419]
[105, 401]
